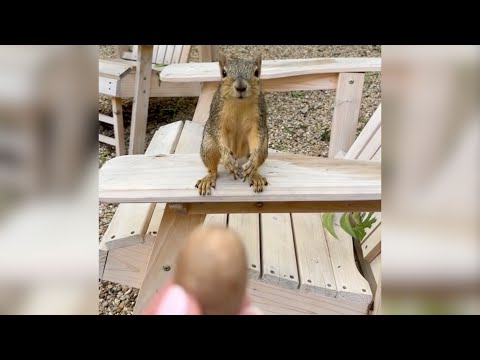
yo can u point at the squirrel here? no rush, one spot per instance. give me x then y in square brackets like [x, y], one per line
[237, 125]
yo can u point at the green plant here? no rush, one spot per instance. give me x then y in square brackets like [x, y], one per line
[354, 224]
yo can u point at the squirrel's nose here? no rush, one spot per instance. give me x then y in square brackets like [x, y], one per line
[240, 85]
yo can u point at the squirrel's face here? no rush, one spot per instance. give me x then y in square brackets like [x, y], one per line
[240, 78]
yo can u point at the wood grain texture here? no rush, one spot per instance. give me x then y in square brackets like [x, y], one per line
[202, 111]
[350, 283]
[206, 71]
[373, 146]
[248, 227]
[125, 88]
[172, 178]
[190, 139]
[274, 300]
[128, 225]
[154, 224]
[141, 96]
[372, 246]
[371, 127]
[279, 264]
[172, 235]
[165, 139]
[345, 115]
[216, 219]
[113, 69]
[118, 129]
[313, 257]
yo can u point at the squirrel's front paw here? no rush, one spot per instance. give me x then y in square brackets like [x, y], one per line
[258, 181]
[205, 184]
[231, 165]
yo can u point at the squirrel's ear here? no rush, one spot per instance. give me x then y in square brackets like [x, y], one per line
[258, 60]
[221, 60]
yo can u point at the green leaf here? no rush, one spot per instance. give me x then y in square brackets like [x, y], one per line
[345, 224]
[327, 221]
[369, 216]
[356, 217]
[362, 216]
[359, 233]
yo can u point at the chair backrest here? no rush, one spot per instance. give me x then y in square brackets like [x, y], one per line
[163, 54]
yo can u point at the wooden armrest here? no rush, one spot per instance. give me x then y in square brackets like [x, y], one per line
[271, 69]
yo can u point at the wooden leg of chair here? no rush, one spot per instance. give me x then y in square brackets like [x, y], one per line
[118, 126]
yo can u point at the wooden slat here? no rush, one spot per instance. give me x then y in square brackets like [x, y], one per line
[279, 265]
[345, 115]
[247, 226]
[140, 105]
[366, 267]
[102, 259]
[202, 111]
[155, 53]
[126, 88]
[378, 155]
[169, 54]
[185, 53]
[172, 234]
[366, 135]
[154, 224]
[216, 219]
[165, 139]
[378, 216]
[190, 139]
[106, 139]
[105, 119]
[172, 178]
[118, 129]
[177, 54]
[113, 69]
[301, 82]
[274, 300]
[351, 285]
[162, 49]
[128, 225]
[206, 53]
[313, 257]
[373, 145]
[206, 71]
[377, 303]
[108, 86]
[279, 207]
[372, 245]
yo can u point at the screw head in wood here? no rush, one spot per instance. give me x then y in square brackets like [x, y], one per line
[259, 204]
[351, 81]
[166, 267]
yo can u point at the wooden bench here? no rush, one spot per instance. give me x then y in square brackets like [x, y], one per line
[325, 280]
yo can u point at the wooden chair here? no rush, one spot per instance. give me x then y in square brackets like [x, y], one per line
[302, 269]
[117, 79]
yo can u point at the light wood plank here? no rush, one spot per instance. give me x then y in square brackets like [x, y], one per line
[102, 259]
[301, 82]
[262, 207]
[169, 54]
[274, 300]
[377, 303]
[165, 139]
[112, 69]
[172, 178]
[378, 155]
[154, 224]
[202, 111]
[313, 257]
[177, 54]
[127, 265]
[345, 115]
[279, 265]
[105, 119]
[172, 234]
[119, 132]
[126, 88]
[372, 246]
[185, 53]
[206, 53]
[207, 71]
[248, 227]
[106, 139]
[140, 105]
[373, 145]
[190, 139]
[162, 50]
[366, 267]
[128, 225]
[108, 86]
[216, 219]
[351, 285]
[378, 216]
[365, 135]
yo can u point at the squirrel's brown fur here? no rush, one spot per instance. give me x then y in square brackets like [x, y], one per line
[237, 125]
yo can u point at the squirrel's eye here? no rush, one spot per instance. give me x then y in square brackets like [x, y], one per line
[256, 73]
[224, 73]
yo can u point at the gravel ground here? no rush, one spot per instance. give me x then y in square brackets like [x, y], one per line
[298, 122]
